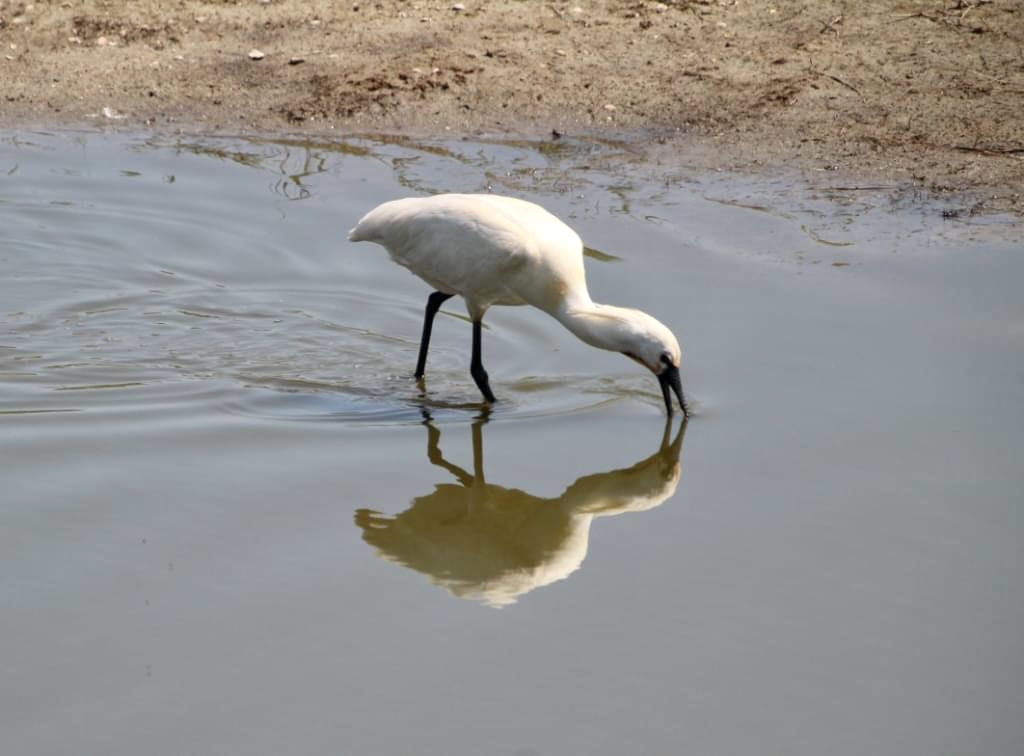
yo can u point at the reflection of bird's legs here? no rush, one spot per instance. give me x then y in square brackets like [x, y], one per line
[478, 451]
[479, 486]
[434, 302]
[436, 458]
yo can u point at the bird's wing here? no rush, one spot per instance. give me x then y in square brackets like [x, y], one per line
[488, 248]
[451, 239]
[550, 269]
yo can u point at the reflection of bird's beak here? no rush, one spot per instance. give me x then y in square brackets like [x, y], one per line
[669, 378]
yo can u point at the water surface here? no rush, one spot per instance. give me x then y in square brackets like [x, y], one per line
[232, 523]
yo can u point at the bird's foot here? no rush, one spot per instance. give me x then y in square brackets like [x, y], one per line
[483, 383]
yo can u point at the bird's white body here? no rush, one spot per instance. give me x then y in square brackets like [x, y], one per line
[494, 250]
[490, 250]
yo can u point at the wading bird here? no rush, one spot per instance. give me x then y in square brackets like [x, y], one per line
[493, 250]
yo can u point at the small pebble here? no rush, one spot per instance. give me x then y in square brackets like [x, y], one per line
[256, 55]
[458, 7]
[295, 60]
[609, 106]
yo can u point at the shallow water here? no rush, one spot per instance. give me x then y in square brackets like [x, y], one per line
[231, 522]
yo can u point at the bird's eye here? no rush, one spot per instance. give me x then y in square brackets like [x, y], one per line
[666, 358]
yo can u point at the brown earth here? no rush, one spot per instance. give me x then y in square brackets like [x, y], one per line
[926, 93]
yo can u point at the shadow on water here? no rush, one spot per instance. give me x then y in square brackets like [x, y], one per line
[493, 544]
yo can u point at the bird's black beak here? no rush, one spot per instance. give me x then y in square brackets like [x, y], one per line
[669, 379]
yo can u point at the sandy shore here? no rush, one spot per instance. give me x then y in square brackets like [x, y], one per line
[925, 93]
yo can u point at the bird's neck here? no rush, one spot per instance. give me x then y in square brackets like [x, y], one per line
[601, 326]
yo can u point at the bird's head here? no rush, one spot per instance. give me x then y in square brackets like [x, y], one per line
[635, 334]
[655, 347]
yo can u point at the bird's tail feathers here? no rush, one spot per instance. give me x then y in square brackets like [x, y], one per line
[369, 227]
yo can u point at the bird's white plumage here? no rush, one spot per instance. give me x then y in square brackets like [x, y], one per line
[494, 250]
[486, 248]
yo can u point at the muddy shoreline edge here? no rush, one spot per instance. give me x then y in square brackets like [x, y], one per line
[924, 95]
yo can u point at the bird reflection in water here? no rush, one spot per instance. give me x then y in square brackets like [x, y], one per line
[492, 544]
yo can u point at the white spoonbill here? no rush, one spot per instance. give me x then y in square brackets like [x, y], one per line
[493, 250]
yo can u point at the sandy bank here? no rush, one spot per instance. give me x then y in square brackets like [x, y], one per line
[922, 92]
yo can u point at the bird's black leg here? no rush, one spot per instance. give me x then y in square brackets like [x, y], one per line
[476, 366]
[434, 302]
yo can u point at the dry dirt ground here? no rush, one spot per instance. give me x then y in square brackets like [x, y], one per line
[927, 93]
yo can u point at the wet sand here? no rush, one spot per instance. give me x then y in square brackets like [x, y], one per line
[923, 95]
